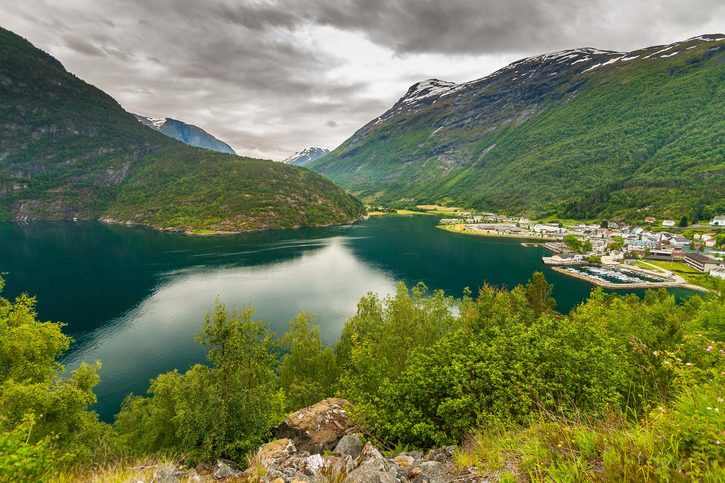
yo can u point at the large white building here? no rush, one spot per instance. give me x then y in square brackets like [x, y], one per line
[702, 263]
[718, 220]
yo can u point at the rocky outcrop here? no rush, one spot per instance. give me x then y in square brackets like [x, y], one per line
[321, 443]
[318, 427]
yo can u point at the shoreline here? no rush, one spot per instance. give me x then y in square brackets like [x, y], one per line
[452, 229]
[211, 233]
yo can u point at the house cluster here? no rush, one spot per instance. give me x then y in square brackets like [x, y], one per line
[653, 245]
[645, 242]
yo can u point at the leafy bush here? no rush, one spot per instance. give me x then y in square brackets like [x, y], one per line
[222, 410]
[35, 394]
[308, 371]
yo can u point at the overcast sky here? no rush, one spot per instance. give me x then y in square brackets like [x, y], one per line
[271, 77]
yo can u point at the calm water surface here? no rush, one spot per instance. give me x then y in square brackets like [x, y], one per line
[134, 298]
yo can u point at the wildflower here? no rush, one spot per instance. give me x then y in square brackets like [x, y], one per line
[709, 408]
[720, 399]
[709, 348]
[661, 409]
[656, 353]
[667, 363]
[688, 363]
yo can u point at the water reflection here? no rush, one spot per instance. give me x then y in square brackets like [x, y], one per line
[158, 334]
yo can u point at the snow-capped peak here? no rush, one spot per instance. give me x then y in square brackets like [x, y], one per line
[305, 156]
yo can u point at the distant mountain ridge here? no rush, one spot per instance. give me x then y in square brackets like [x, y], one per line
[70, 151]
[306, 156]
[186, 133]
[578, 133]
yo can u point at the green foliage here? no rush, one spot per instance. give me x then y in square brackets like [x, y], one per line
[576, 245]
[599, 144]
[616, 243]
[222, 410]
[538, 294]
[683, 222]
[34, 393]
[308, 371]
[21, 460]
[379, 338]
[507, 357]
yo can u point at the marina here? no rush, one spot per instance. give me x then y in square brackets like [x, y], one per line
[622, 278]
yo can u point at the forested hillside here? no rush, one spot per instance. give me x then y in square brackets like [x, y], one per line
[579, 133]
[69, 151]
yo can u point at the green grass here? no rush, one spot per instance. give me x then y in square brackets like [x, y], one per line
[604, 450]
[685, 271]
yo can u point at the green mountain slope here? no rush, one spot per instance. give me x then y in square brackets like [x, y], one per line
[579, 133]
[68, 150]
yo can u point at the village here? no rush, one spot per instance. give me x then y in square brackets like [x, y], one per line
[615, 255]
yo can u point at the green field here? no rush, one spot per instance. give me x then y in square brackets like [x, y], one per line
[685, 271]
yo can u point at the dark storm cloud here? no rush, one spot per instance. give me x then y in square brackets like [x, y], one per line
[483, 26]
[271, 77]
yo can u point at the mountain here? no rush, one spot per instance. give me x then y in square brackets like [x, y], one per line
[306, 156]
[68, 150]
[186, 133]
[579, 133]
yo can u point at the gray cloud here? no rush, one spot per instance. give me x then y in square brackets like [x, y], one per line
[271, 77]
[82, 47]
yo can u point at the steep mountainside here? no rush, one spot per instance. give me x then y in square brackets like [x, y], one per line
[578, 133]
[68, 150]
[186, 133]
[306, 156]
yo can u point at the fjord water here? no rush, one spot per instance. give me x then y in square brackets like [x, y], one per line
[134, 298]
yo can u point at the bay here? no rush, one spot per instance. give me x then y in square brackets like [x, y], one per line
[133, 298]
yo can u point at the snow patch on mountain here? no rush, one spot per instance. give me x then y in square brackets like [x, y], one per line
[426, 89]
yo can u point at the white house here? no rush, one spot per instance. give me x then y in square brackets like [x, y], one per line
[668, 222]
[718, 220]
[680, 241]
[718, 272]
